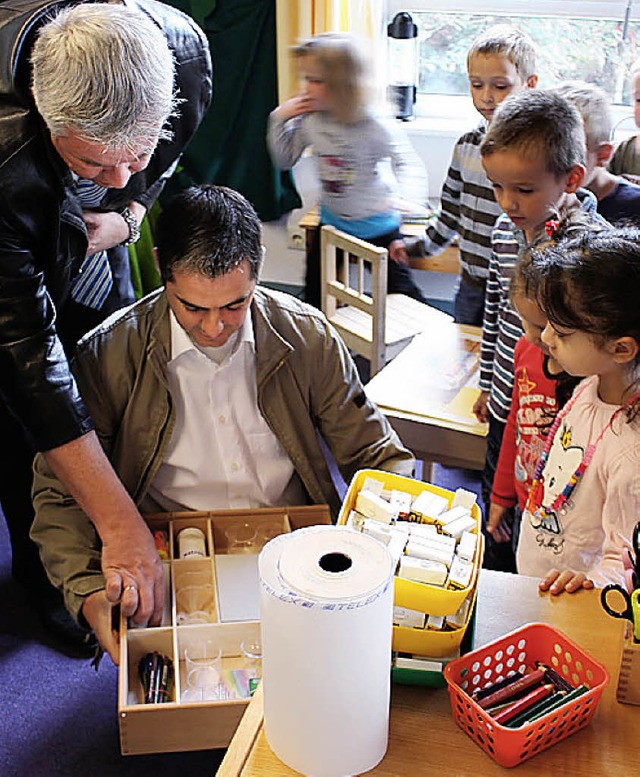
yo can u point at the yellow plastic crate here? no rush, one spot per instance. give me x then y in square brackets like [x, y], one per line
[423, 597]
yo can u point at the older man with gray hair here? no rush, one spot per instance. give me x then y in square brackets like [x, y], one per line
[97, 102]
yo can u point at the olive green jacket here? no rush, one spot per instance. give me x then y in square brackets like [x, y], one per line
[307, 388]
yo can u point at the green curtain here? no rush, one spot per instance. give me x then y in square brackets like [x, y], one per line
[229, 147]
[142, 263]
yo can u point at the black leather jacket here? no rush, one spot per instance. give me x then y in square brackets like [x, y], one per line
[43, 237]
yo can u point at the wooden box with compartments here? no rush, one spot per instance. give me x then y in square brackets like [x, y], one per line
[210, 632]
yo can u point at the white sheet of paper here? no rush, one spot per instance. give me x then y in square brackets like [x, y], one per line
[238, 586]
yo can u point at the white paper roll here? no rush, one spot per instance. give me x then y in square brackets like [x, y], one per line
[326, 604]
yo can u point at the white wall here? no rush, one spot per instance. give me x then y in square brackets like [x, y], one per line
[434, 147]
[283, 264]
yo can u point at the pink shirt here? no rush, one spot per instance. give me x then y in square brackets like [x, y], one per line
[589, 531]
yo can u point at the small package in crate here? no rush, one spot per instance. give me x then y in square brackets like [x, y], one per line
[519, 651]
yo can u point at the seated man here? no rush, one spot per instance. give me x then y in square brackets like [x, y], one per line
[201, 406]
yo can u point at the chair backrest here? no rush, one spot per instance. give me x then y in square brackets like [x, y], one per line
[358, 315]
[373, 323]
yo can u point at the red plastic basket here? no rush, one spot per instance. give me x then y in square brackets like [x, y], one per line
[513, 652]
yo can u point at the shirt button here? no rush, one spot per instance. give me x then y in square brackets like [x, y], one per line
[234, 467]
[222, 419]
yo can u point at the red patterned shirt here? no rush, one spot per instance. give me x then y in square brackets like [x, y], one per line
[533, 409]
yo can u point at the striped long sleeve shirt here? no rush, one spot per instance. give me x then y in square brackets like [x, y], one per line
[468, 208]
[501, 327]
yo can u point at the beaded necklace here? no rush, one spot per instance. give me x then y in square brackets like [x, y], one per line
[574, 479]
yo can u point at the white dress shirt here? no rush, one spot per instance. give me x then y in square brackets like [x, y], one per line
[222, 454]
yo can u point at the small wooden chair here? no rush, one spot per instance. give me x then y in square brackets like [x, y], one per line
[375, 325]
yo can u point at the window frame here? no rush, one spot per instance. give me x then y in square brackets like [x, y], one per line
[588, 9]
[454, 113]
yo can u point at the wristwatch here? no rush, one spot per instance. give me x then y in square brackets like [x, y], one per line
[132, 223]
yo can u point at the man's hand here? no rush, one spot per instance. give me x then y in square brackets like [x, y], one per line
[497, 526]
[556, 582]
[99, 614]
[480, 407]
[130, 562]
[104, 230]
[133, 574]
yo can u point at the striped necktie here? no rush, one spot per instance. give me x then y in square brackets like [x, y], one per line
[94, 281]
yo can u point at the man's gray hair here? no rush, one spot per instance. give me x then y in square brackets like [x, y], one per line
[104, 72]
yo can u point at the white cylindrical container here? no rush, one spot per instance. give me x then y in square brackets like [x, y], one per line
[326, 604]
[191, 543]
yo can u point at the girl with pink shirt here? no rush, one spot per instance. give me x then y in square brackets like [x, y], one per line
[585, 497]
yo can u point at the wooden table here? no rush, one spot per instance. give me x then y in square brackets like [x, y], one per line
[448, 260]
[427, 393]
[424, 738]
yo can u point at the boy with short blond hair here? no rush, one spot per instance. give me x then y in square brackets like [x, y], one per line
[618, 199]
[534, 154]
[501, 61]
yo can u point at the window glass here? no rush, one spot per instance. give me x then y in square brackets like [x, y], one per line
[591, 49]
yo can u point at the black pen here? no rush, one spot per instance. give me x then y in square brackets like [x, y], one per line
[144, 667]
[164, 682]
[153, 678]
[157, 680]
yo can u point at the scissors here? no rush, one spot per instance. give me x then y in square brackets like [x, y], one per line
[631, 561]
[631, 609]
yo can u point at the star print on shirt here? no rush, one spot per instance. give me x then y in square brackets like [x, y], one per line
[525, 386]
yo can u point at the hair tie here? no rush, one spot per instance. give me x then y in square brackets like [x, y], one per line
[551, 226]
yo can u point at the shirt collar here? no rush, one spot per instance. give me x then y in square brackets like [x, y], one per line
[181, 342]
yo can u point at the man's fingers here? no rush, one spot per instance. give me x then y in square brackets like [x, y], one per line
[134, 576]
[129, 601]
[102, 618]
[145, 599]
[149, 596]
[111, 644]
[142, 599]
[113, 585]
[158, 602]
